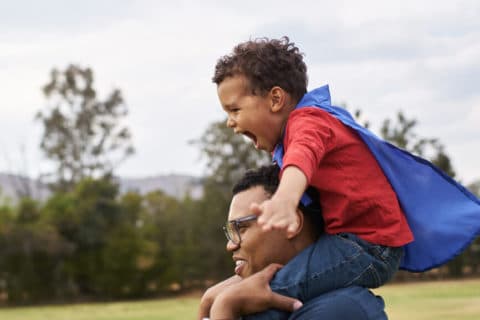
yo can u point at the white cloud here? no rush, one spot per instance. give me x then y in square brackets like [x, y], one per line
[378, 56]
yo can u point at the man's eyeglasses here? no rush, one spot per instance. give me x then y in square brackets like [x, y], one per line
[232, 228]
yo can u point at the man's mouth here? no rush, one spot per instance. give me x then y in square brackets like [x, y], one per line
[239, 265]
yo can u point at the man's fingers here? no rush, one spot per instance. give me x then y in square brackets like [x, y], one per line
[285, 303]
[270, 270]
[204, 311]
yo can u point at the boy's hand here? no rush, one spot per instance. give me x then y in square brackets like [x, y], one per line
[277, 213]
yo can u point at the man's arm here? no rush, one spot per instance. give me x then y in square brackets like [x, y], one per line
[211, 294]
[251, 295]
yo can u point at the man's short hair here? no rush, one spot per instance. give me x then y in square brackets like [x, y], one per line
[265, 176]
[266, 63]
[268, 178]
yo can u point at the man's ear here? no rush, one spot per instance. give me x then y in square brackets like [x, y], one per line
[278, 99]
[300, 221]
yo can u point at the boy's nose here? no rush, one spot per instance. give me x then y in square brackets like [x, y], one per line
[230, 122]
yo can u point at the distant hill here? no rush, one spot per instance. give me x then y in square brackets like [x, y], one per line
[12, 186]
[175, 185]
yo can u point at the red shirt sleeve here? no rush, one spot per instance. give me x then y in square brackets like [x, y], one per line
[308, 137]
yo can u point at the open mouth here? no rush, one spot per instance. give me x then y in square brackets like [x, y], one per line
[251, 136]
[239, 265]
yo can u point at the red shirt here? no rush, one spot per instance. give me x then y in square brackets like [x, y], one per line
[355, 195]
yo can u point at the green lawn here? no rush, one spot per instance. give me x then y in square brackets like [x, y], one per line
[446, 300]
[449, 300]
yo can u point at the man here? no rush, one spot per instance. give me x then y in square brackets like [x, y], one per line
[257, 254]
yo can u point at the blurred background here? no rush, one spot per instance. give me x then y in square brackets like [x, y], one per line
[115, 162]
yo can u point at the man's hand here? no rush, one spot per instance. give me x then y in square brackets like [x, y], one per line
[211, 294]
[251, 295]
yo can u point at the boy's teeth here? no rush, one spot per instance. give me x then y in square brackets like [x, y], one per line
[239, 262]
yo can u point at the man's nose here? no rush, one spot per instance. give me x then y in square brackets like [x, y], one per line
[232, 246]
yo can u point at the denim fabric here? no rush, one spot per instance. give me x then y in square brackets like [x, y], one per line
[351, 303]
[333, 262]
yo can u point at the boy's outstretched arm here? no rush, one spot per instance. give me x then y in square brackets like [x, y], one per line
[279, 211]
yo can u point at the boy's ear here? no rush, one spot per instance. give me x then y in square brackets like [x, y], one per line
[300, 219]
[278, 98]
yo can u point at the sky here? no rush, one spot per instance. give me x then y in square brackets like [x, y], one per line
[418, 57]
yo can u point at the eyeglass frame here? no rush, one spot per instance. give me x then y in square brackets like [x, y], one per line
[236, 227]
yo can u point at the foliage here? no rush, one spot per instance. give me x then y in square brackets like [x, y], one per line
[228, 154]
[82, 135]
[29, 251]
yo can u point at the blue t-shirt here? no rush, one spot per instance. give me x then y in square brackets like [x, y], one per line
[351, 303]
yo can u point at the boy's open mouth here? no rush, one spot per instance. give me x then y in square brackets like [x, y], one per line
[251, 136]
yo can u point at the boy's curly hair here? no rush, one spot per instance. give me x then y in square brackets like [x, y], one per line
[266, 63]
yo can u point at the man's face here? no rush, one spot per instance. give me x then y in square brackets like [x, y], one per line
[249, 114]
[257, 248]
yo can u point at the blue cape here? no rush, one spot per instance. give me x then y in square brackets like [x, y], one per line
[443, 216]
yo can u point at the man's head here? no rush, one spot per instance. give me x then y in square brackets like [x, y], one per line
[258, 84]
[255, 249]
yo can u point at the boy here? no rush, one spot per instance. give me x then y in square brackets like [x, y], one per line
[262, 88]
[259, 86]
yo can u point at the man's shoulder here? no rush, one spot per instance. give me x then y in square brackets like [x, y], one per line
[346, 303]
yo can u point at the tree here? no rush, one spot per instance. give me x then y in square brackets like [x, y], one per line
[82, 134]
[228, 154]
[30, 249]
[474, 187]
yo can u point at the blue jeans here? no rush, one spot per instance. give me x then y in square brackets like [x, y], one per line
[333, 262]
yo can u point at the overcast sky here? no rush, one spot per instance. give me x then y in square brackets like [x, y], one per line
[421, 57]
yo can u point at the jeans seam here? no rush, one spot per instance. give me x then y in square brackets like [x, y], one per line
[352, 242]
[373, 271]
[344, 261]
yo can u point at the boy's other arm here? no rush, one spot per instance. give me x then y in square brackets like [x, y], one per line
[279, 211]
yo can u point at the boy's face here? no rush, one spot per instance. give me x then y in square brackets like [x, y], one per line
[249, 114]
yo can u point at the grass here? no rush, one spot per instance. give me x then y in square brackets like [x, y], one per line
[448, 300]
[165, 309]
